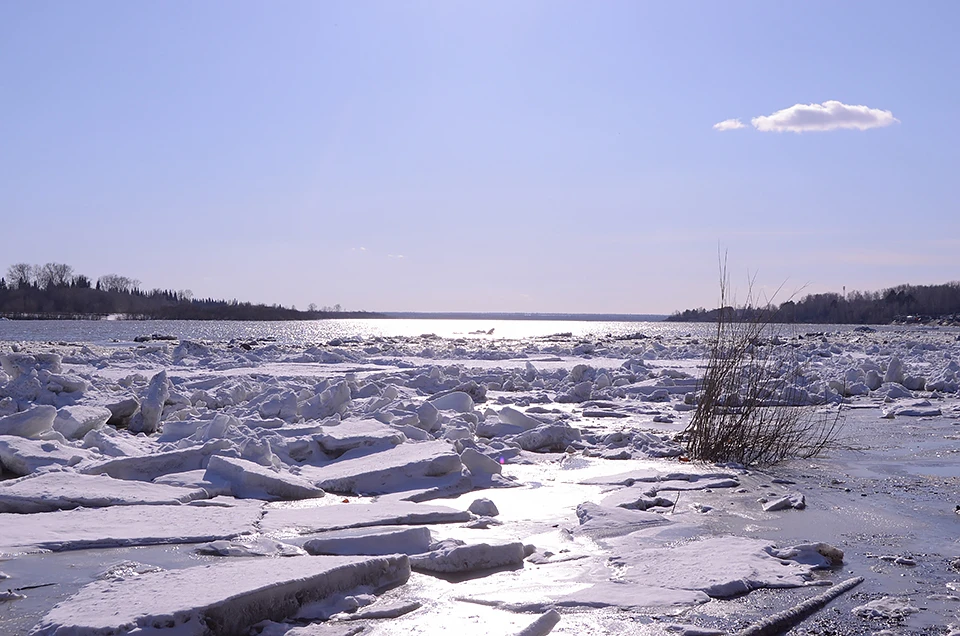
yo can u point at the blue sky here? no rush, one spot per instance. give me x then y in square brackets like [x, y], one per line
[487, 156]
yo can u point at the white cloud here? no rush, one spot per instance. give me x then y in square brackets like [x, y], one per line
[830, 115]
[728, 124]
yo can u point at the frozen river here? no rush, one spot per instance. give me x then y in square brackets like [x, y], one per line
[148, 486]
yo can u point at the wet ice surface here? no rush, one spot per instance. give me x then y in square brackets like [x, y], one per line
[250, 451]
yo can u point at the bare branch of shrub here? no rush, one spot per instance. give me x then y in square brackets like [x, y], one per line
[749, 408]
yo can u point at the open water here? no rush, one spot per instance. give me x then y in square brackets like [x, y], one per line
[319, 331]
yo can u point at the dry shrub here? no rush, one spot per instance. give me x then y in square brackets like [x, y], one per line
[749, 409]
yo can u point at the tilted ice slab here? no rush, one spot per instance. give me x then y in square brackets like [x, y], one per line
[73, 422]
[194, 479]
[224, 598]
[22, 456]
[340, 516]
[354, 433]
[127, 526]
[469, 558]
[149, 467]
[117, 443]
[375, 540]
[31, 423]
[64, 490]
[253, 481]
[387, 470]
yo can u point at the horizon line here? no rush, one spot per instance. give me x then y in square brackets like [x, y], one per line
[625, 317]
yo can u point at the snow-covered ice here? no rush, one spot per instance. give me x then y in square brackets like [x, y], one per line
[555, 480]
[23, 456]
[246, 592]
[469, 558]
[388, 470]
[32, 423]
[250, 480]
[64, 490]
[312, 519]
[372, 540]
[127, 526]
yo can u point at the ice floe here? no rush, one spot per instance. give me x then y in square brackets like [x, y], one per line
[116, 526]
[246, 592]
[247, 451]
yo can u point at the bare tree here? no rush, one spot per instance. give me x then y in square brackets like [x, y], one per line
[54, 275]
[117, 283]
[20, 275]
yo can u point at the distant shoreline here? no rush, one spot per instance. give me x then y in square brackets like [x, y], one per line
[467, 315]
[303, 316]
[351, 315]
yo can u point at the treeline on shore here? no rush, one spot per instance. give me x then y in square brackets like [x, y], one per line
[54, 291]
[919, 304]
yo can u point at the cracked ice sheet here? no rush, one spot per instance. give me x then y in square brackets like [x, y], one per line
[695, 569]
[65, 490]
[627, 497]
[658, 474]
[304, 519]
[81, 528]
[247, 591]
[527, 511]
[644, 573]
